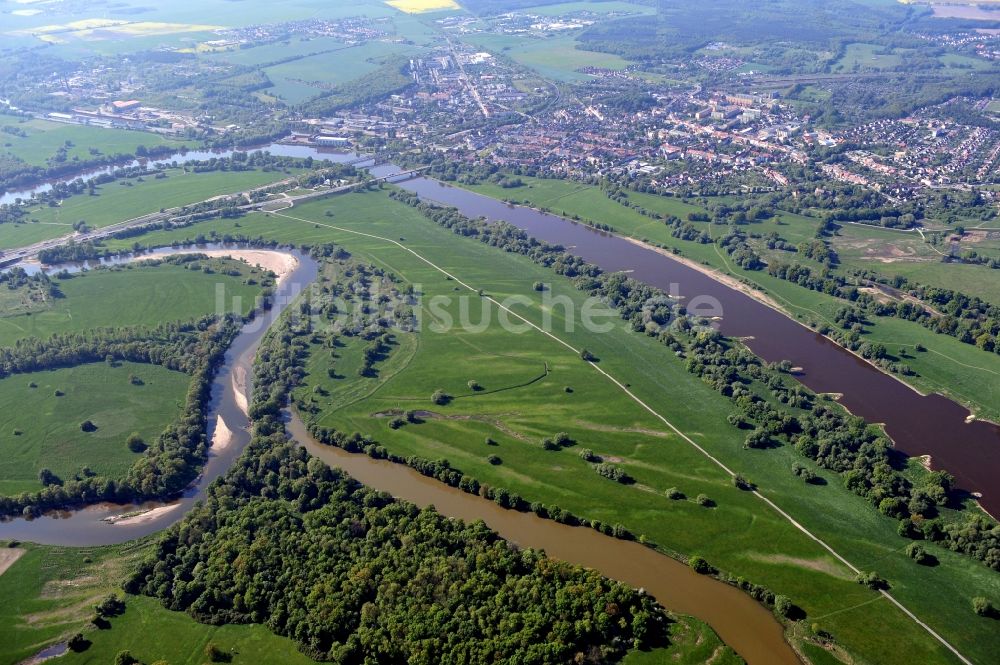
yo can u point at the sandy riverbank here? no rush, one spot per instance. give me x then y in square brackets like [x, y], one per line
[143, 517]
[240, 387]
[280, 263]
[223, 436]
[714, 273]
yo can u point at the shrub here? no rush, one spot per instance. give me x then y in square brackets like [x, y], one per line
[78, 643]
[494, 460]
[742, 483]
[699, 565]
[88, 426]
[474, 385]
[674, 494]
[872, 580]
[396, 423]
[613, 472]
[563, 439]
[125, 658]
[917, 552]
[704, 500]
[983, 607]
[440, 397]
[782, 606]
[135, 443]
[587, 455]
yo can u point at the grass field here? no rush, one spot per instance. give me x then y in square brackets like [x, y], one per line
[950, 367]
[556, 58]
[133, 295]
[265, 53]
[42, 430]
[893, 253]
[599, 7]
[860, 57]
[44, 138]
[126, 199]
[739, 535]
[152, 633]
[307, 77]
[49, 593]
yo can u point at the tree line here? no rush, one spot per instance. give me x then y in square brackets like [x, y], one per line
[843, 443]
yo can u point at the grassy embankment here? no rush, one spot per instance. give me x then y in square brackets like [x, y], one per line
[740, 535]
[130, 295]
[49, 594]
[126, 199]
[41, 429]
[950, 367]
[42, 413]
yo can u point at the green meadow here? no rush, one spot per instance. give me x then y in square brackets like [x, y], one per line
[907, 254]
[307, 77]
[44, 139]
[49, 594]
[524, 398]
[557, 58]
[126, 199]
[949, 367]
[41, 415]
[153, 633]
[133, 295]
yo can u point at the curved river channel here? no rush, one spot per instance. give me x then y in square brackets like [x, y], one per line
[918, 424]
[740, 621]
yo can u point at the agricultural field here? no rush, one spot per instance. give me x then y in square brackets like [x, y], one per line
[133, 295]
[422, 6]
[267, 53]
[129, 198]
[43, 140]
[617, 7]
[42, 414]
[861, 57]
[300, 79]
[558, 58]
[524, 399]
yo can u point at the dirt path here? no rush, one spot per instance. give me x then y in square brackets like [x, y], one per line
[635, 398]
[8, 556]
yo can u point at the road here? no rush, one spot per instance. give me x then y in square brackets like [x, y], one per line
[28, 252]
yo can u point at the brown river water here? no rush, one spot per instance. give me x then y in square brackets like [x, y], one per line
[740, 621]
[918, 424]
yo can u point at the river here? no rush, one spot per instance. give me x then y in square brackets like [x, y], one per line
[918, 424]
[86, 526]
[740, 621]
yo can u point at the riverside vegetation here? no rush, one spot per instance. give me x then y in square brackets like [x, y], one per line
[860, 532]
